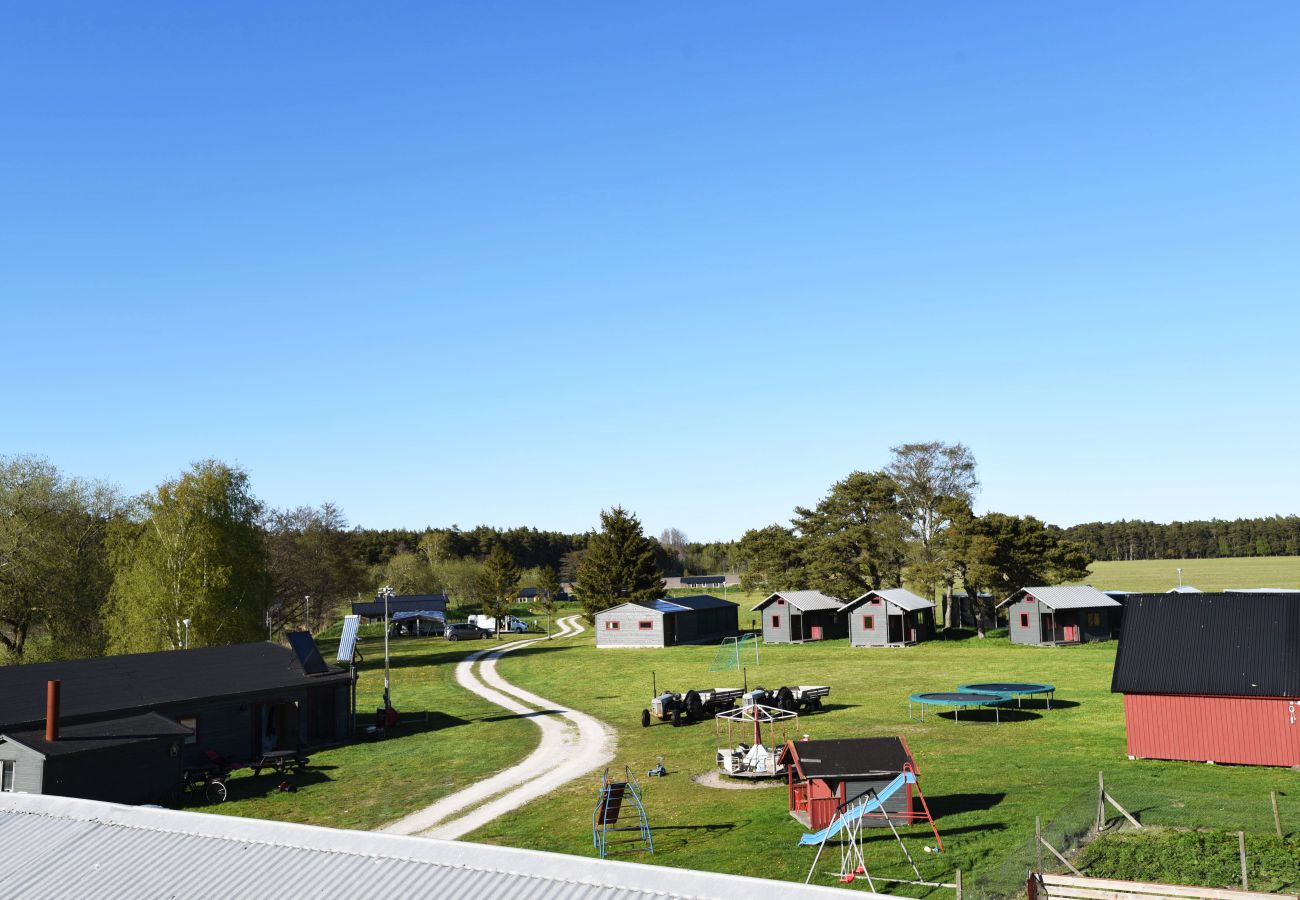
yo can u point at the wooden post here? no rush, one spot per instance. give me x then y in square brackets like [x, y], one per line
[1241, 846]
[959, 884]
[1101, 801]
[1038, 845]
[1277, 820]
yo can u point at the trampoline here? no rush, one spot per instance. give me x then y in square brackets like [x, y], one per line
[1014, 689]
[958, 700]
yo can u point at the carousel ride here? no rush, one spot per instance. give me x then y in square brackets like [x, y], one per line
[755, 735]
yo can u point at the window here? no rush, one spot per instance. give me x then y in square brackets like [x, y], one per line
[611, 625]
[776, 621]
[1024, 620]
[1094, 620]
[780, 601]
[875, 601]
[6, 777]
[646, 625]
[868, 622]
[192, 723]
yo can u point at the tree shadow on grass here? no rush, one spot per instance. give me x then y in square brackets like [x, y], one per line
[504, 717]
[666, 838]
[443, 654]
[955, 804]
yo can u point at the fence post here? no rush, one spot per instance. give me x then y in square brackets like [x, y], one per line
[1038, 845]
[1277, 820]
[1241, 846]
[1101, 801]
[959, 884]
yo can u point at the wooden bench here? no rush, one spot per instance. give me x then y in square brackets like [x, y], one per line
[1074, 888]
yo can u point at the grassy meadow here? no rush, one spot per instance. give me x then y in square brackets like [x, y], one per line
[1207, 574]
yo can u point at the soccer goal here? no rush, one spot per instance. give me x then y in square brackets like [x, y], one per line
[733, 651]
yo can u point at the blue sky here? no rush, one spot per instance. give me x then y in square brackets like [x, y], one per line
[513, 263]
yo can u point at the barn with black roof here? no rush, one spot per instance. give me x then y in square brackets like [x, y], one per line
[667, 622]
[1211, 677]
[144, 716]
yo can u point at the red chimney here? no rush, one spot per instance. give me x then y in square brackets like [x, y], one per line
[52, 711]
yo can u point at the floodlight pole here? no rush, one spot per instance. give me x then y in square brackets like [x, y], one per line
[186, 623]
[1180, 576]
[387, 593]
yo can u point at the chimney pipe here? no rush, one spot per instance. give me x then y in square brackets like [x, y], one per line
[52, 711]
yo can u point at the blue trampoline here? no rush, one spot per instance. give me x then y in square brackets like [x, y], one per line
[958, 700]
[1015, 689]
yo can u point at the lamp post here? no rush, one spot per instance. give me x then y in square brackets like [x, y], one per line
[186, 623]
[387, 593]
[1180, 576]
[308, 599]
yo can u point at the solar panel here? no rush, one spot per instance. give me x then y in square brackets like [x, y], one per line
[308, 653]
[348, 639]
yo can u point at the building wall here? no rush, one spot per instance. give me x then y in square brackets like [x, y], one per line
[826, 794]
[29, 767]
[878, 634]
[704, 625]
[144, 772]
[629, 633]
[1260, 731]
[780, 633]
[834, 624]
[1021, 634]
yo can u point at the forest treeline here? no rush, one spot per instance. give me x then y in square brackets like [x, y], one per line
[199, 559]
[1129, 540]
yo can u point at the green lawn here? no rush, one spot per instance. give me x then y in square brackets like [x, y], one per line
[1206, 574]
[985, 782]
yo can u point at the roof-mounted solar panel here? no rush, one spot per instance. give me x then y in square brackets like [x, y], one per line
[308, 653]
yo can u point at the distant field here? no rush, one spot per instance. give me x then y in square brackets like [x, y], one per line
[1206, 574]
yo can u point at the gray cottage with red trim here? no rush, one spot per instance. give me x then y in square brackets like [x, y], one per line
[667, 622]
[889, 618]
[793, 617]
[1064, 614]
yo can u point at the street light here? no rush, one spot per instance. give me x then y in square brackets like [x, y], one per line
[186, 623]
[1180, 576]
[387, 593]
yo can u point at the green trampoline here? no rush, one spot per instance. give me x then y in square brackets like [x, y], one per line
[957, 701]
[1014, 689]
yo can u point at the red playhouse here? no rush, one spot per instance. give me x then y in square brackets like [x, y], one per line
[823, 776]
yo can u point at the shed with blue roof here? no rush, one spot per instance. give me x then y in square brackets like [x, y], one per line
[699, 619]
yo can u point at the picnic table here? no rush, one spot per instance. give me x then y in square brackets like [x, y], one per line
[282, 761]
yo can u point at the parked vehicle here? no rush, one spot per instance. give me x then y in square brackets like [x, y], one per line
[691, 706]
[464, 631]
[509, 624]
[800, 698]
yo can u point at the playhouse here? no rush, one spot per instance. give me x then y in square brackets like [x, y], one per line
[823, 776]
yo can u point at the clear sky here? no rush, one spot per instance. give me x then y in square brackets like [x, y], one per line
[512, 263]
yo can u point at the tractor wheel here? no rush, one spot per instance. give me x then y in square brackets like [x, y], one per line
[694, 705]
[785, 700]
[677, 718]
[815, 703]
[645, 718]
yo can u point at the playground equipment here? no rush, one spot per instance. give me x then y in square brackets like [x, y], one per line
[610, 800]
[800, 698]
[958, 700]
[691, 706]
[848, 822]
[1014, 689]
[733, 651]
[759, 758]
[658, 771]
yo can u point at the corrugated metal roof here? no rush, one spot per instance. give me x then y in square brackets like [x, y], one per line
[804, 600]
[1071, 596]
[900, 597]
[1210, 644]
[59, 848]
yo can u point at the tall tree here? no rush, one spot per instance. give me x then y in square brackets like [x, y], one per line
[674, 542]
[548, 590]
[54, 572]
[618, 565]
[408, 573]
[854, 536]
[311, 553]
[502, 577]
[930, 477]
[195, 553]
[771, 560]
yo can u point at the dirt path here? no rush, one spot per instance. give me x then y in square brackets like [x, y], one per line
[573, 744]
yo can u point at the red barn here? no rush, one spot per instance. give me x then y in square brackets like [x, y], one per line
[822, 775]
[1211, 677]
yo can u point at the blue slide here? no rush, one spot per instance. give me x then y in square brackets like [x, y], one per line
[859, 811]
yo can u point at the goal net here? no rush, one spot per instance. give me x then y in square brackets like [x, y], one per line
[734, 652]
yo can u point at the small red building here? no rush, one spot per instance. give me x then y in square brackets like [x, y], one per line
[823, 775]
[1211, 677]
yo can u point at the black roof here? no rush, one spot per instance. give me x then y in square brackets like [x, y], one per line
[850, 756]
[701, 601]
[1239, 645]
[372, 609]
[141, 681]
[89, 736]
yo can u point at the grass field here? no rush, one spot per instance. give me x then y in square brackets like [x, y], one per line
[1206, 574]
[985, 782]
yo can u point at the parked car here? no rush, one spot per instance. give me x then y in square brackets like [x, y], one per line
[464, 631]
[510, 623]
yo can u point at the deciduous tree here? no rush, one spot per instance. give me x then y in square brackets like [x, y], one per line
[548, 589]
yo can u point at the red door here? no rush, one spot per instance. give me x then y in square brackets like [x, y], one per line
[1069, 626]
[816, 633]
